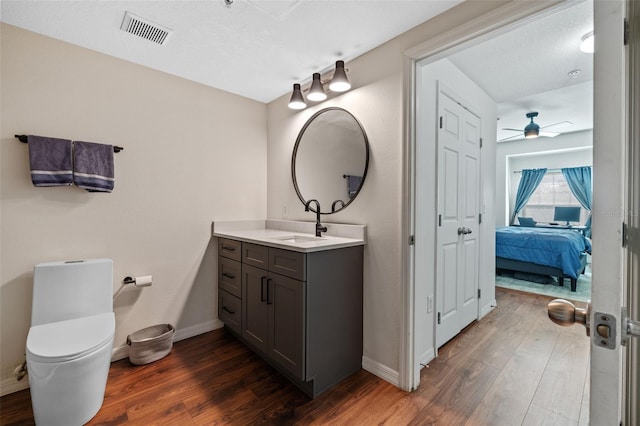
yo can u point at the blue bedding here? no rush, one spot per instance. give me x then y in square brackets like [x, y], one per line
[558, 248]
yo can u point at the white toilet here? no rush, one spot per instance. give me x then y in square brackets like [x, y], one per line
[70, 340]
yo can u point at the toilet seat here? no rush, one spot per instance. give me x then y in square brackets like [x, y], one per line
[71, 339]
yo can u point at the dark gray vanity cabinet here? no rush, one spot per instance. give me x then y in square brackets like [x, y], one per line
[302, 312]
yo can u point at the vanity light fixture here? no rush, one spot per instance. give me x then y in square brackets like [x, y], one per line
[316, 91]
[339, 83]
[297, 100]
[586, 45]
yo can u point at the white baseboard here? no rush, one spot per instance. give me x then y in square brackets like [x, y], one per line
[12, 385]
[427, 356]
[487, 308]
[382, 371]
[122, 352]
[195, 330]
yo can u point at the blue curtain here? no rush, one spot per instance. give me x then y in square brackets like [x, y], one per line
[579, 180]
[529, 181]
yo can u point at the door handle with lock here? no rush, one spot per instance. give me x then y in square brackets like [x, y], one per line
[464, 231]
[565, 313]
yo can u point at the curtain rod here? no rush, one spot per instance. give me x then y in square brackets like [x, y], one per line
[548, 171]
[23, 139]
[553, 170]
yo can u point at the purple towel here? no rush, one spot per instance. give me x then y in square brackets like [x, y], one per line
[93, 166]
[50, 161]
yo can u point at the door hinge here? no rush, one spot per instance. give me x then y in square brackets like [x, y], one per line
[441, 122]
[480, 142]
[625, 234]
[479, 293]
[625, 33]
[439, 220]
[438, 317]
[412, 240]
[480, 218]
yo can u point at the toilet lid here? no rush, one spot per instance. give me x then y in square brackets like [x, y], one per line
[71, 339]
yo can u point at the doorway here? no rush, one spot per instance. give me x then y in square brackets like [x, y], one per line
[609, 145]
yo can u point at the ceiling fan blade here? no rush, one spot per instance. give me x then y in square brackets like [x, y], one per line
[567, 123]
[548, 134]
[514, 130]
[511, 137]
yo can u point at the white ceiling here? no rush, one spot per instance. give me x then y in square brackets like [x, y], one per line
[254, 48]
[526, 69]
[259, 48]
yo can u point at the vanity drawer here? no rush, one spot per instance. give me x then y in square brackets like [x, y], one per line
[288, 263]
[255, 255]
[230, 248]
[230, 311]
[230, 276]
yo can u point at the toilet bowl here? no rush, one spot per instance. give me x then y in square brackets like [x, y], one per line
[70, 341]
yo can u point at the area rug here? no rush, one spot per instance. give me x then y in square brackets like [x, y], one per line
[582, 293]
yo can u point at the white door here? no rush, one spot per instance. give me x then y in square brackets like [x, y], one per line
[613, 177]
[458, 208]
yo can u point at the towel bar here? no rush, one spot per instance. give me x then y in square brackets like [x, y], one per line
[23, 139]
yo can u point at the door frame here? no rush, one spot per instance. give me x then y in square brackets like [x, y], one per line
[498, 21]
[605, 407]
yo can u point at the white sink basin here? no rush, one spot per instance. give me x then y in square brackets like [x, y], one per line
[296, 239]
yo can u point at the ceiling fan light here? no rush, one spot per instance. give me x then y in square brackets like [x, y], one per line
[586, 45]
[339, 82]
[532, 130]
[316, 91]
[297, 100]
[531, 134]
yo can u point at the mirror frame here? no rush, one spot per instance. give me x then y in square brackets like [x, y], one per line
[295, 152]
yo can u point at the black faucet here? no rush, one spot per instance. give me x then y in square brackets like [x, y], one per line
[319, 227]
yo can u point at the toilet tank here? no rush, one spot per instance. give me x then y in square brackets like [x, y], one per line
[71, 289]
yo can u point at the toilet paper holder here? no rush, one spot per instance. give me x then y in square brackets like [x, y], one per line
[142, 281]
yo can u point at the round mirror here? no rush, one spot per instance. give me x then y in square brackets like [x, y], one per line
[330, 160]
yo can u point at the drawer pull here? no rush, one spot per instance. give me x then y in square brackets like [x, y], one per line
[228, 275]
[224, 308]
[228, 248]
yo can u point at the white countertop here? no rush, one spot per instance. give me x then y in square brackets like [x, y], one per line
[291, 235]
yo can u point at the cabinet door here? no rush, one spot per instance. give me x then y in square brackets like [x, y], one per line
[285, 299]
[254, 306]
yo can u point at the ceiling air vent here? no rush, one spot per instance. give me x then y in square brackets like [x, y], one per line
[144, 28]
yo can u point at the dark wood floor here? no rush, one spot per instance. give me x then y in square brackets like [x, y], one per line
[514, 367]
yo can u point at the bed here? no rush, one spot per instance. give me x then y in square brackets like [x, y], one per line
[561, 253]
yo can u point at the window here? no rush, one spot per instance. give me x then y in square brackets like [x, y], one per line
[553, 191]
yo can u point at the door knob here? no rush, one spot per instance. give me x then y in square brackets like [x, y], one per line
[565, 313]
[467, 231]
[461, 231]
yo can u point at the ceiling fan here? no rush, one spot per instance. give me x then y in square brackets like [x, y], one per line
[533, 130]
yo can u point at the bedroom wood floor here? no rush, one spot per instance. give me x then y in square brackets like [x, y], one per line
[514, 367]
